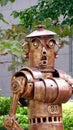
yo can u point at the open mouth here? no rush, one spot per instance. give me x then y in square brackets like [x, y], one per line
[44, 58]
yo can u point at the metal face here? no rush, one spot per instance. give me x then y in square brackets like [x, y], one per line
[40, 51]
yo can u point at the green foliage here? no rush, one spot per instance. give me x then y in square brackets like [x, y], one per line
[68, 115]
[27, 17]
[54, 9]
[45, 10]
[12, 47]
[4, 2]
[23, 120]
[4, 106]
[22, 113]
[1, 122]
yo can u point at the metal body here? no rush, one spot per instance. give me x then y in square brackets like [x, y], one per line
[41, 84]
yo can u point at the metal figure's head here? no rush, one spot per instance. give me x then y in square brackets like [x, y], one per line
[42, 48]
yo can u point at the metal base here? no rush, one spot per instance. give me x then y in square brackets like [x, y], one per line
[49, 126]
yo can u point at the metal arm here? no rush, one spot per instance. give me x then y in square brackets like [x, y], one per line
[17, 87]
[67, 78]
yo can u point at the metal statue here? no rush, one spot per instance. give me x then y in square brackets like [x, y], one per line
[45, 87]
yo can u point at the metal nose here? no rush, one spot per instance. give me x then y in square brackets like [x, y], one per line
[43, 57]
[44, 51]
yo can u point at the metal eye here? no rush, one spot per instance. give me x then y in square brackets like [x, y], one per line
[36, 44]
[51, 44]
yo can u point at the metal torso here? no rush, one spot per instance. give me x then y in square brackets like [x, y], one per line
[45, 106]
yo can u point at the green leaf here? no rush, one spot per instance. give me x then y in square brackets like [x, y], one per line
[12, 47]
[12, 1]
[4, 21]
[3, 2]
[2, 18]
[15, 14]
[66, 30]
[71, 30]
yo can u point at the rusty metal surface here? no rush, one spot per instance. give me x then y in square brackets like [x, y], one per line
[47, 116]
[41, 84]
[34, 72]
[50, 126]
[64, 91]
[40, 52]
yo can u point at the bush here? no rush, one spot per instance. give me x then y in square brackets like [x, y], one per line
[23, 118]
[1, 122]
[68, 115]
[4, 105]
[4, 110]
[21, 113]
